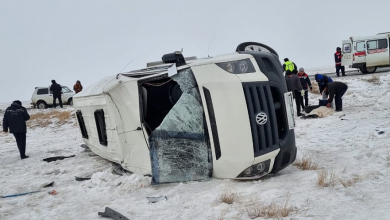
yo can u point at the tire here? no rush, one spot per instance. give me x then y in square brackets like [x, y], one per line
[365, 69]
[254, 46]
[70, 102]
[41, 105]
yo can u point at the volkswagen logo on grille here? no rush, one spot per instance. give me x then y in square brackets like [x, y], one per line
[261, 118]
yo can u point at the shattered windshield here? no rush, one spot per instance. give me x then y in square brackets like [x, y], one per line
[179, 147]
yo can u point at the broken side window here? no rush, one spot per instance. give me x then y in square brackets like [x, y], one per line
[179, 146]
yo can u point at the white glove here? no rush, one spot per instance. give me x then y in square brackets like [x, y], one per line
[302, 92]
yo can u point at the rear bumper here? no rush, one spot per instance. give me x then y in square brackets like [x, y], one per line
[358, 65]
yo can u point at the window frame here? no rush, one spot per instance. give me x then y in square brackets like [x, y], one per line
[63, 88]
[47, 91]
[83, 129]
[350, 48]
[364, 43]
[387, 44]
[372, 41]
[101, 126]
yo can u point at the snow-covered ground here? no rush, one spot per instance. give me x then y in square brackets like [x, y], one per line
[355, 144]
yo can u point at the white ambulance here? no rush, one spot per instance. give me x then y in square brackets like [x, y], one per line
[366, 53]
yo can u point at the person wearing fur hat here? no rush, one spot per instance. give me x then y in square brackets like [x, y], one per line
[77, 87]
[337, 60]
[14, 121]
[306, 84]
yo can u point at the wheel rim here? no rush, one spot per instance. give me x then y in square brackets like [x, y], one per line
[41, 106]
[256, 48]
[370, 69]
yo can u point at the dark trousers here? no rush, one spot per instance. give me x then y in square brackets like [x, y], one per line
[298, 98]
[305, 100]
[338, 100]
[59, 100]
[338, 68]
[21, 142]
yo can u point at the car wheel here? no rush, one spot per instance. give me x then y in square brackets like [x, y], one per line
[370, 69]
[254, 46]
[42, 105]
[70, 102]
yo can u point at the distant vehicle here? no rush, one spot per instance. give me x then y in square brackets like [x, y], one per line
[366, 53]
[229, 116]
[42, 97]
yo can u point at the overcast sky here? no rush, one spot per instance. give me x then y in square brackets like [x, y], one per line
[86, 40]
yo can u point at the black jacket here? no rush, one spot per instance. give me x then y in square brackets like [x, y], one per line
[295, 68]
[15, 118]
[333, 88]
[305, 81]
[56, 89]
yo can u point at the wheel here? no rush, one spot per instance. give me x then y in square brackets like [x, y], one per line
[70, 102]
[370, 69]
[41, 105]
[254, 46]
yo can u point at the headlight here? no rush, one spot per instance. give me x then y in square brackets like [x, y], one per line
[238, 66]
[248, 171]
[259, 169]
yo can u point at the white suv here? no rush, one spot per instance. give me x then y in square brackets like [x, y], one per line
[43, 97]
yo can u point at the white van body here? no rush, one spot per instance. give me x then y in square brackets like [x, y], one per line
[124, 103]
[366, 53]
[42, 97]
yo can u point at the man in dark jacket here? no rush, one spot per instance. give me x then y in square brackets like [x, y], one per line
[288, 65]
[56, 89]
[337, 60]
[306, 84]
[336, 90]
[15, 118]
[295, 88]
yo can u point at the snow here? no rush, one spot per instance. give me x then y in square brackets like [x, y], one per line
[351, 143]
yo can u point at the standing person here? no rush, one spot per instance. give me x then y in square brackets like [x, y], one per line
[78, 87]
[15, 118]
[288, 65]
[337, 60]
[296, 89]
[336, 90]
[56, 89]
[306, 84]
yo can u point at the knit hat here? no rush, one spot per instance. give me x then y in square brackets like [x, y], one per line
[288, 72]
[301, 69]
[285, 59]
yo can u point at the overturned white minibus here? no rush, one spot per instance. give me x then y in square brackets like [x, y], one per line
[229, 116]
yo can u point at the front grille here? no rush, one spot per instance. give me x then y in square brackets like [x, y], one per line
[259, 99]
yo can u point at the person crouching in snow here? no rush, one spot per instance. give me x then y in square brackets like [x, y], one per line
[296, 88]
[336, 90]
[322, 81]
[306, 84]
[15, 118]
